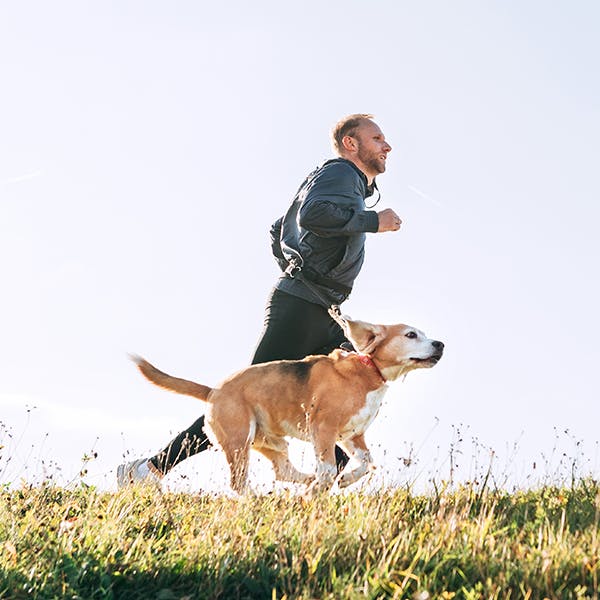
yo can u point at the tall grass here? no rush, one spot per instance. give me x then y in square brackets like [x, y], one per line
[467, 542]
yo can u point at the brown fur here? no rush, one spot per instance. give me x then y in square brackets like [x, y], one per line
[321, 399]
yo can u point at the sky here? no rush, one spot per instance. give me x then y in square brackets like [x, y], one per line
[146, 148]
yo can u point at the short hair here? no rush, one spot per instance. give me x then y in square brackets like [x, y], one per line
[346, 126]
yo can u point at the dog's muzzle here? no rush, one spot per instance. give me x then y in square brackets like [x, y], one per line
[433, 359]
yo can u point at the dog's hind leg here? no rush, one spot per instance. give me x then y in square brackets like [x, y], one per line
[235, 437]
[357, 449]
[284, 469]
[239, 460]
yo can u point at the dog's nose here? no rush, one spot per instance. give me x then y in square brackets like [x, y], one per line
[438, 345]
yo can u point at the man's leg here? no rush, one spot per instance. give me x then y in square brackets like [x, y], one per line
[189, 442]
[294, 328]
[151, 470]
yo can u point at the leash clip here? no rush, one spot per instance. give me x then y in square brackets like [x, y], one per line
[336, 314]
[293, 269]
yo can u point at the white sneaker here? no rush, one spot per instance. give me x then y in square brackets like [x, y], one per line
[139, 472]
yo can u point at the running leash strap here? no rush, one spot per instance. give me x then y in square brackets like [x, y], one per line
[295, 272]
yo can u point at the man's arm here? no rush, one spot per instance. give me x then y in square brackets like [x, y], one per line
[326, 213]
[327, 209]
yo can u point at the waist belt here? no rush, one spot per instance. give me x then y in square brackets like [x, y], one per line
[326, 282]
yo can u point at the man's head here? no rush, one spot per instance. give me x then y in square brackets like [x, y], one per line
[359, 139]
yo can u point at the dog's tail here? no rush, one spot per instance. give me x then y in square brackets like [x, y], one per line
[175, 384]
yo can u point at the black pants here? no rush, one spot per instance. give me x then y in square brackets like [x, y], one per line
[293, 329]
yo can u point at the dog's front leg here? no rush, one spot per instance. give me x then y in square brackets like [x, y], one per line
[357, 449]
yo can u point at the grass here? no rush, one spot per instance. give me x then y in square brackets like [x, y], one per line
[466, 542]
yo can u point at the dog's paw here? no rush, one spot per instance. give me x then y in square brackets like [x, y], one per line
[316, 488]
[346, 479]
[343, 481]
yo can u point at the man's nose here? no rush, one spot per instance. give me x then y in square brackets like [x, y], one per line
[387, 147]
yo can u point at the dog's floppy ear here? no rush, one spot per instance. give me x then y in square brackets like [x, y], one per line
[365, 337]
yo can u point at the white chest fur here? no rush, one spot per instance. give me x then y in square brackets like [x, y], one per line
[360, 422]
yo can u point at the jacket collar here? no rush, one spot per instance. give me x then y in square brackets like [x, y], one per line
[370, 189]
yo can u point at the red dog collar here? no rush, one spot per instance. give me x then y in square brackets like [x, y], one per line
[366, 360]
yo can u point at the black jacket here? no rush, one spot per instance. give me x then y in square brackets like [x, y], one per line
[323, 231]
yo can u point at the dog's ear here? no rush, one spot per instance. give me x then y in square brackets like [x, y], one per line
[365, 337]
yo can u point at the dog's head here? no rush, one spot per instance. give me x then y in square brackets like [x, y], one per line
[396, 349]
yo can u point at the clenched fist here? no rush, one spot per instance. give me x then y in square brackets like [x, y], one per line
[388, 220]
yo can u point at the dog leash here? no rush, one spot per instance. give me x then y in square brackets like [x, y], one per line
[335, 313]
[295, 272]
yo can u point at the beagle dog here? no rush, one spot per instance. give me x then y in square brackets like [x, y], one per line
[325, 400]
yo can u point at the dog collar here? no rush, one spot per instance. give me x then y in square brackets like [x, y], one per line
[366, 360]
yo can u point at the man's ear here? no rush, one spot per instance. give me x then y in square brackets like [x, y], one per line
[349, 143]
[365, 337]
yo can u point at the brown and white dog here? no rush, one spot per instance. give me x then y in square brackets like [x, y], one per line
[326, 400]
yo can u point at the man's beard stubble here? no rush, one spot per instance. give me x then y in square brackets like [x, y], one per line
[371, 160]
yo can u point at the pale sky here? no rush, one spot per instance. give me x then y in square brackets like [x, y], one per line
[146, 147]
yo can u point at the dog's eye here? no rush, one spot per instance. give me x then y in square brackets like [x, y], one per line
[411, 335]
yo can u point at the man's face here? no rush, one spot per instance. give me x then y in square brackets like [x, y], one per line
[372, 147]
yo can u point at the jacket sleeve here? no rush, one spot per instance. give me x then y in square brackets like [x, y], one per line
[275, 234]
[333, 206]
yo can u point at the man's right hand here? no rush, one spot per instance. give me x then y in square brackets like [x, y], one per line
[388, 220]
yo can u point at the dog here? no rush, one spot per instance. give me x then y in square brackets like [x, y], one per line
[324, 399]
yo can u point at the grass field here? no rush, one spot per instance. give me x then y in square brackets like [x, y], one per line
[467, 542]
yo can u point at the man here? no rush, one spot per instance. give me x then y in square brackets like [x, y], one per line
[319, 245]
